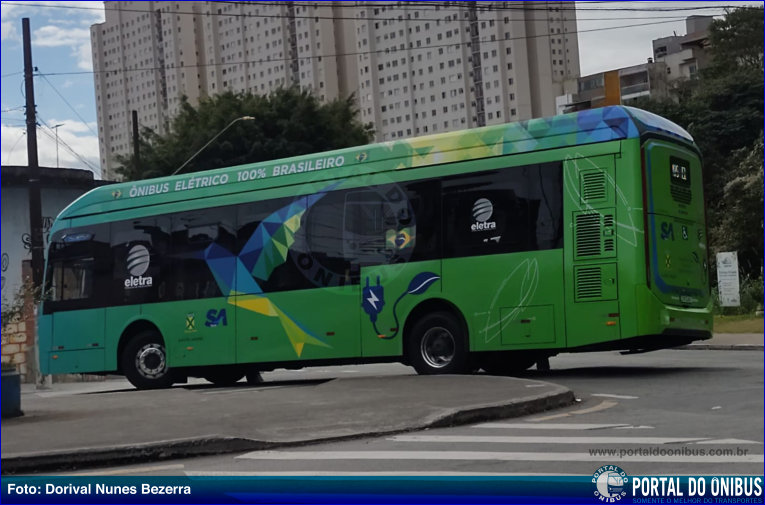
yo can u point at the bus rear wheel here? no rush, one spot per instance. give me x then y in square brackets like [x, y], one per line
[144, 361]
[436, 345]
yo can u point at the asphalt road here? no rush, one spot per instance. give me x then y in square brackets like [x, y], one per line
[673, 412]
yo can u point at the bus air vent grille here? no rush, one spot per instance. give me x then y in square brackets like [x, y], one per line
[609, 244]
[587, 235]
[593, 186]
[589, 283]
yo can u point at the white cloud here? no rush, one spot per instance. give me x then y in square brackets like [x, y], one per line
[73, 136]
[56, 36]
[9, 31]
[78, 39]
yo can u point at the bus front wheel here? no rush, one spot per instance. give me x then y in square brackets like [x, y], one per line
[436, 345]
[144, 361]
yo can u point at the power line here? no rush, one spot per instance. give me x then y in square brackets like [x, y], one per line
[355, 53]
[414, 5]
[70, 105]
[492, 6]
[67, 147]
[524, 8]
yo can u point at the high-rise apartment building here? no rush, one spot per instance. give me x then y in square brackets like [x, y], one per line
[415, 68]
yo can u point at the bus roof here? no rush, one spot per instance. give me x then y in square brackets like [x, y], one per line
[577, 128]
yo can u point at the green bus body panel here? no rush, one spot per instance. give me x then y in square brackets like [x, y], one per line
[676, 228]
[595, 289]
[493, 291]
[575, 129]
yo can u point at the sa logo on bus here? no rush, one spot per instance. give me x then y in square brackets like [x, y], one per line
[216, 317]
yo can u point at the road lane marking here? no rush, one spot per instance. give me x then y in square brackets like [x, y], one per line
[123, 471]
[490, 456]
[545, 440]
[552, 426]
[597, 408]
[618, 397]
[729, 441]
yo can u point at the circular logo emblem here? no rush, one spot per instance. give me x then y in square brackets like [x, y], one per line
[482, 210]
[138, 260]
[610, 483]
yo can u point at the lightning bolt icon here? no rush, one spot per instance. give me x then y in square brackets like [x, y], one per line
[373, 300]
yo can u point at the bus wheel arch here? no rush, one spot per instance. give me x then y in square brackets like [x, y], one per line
[142, 356]
[436, 338]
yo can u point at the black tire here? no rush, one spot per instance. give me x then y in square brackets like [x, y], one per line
[437, 345]
[254, 377]
[224, 375]
[506, 363]
[144, 361]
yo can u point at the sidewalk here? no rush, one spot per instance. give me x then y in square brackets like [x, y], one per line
[730, 342]
[70, 428]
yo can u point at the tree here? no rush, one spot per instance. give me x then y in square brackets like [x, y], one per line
[288, 122]
[736, 40]
[741, 222]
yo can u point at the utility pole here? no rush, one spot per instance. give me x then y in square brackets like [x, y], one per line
[56, 127]
[136, 152]
[33, 185]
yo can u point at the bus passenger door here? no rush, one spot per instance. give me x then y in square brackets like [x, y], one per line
[592, 305]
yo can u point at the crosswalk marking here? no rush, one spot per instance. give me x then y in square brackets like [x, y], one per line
[596, 408]
[618, 397]
[546, 440]
[492, 456]
[552, 426]
[123, 471]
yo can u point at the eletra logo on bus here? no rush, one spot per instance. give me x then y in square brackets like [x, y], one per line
[482, 211]
[137, 263]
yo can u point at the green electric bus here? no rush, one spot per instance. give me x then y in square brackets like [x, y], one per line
[491, 248]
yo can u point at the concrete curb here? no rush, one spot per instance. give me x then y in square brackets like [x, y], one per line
[214, 445]
[721, 347]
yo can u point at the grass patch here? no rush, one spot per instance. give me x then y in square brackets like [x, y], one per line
[738, 324]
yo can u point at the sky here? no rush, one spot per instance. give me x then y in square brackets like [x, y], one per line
[66, 97]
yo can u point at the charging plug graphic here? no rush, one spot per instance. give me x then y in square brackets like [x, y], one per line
[373, 299]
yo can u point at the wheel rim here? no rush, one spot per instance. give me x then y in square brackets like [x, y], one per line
[150, 361]
[437, 347]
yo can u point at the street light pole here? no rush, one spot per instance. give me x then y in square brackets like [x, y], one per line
[243, 118]
[56, 129]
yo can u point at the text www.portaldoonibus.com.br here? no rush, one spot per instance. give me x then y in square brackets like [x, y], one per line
[668, 451]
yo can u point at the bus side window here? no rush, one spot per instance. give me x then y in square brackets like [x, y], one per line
[141, 270]
[191, 234]
[500, 211]
[392, 223]
[327, 259]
